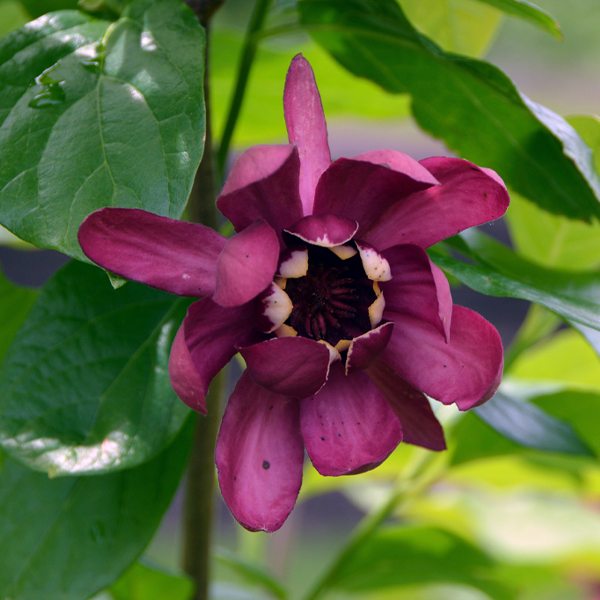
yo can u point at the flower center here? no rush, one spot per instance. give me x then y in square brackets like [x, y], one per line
[331, 302]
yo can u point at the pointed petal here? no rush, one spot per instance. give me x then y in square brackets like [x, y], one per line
[466, 371]
[348, 427]
[306, 127]
[263, 184]
[467, 196]
[246, 265]
[324, 230]
[167, 254]
[185, 380]
[418, 287]
[273, 308]
[211, 332]
[291, 366]
[259, 456]
[419, 425]
[375, 265]
[367, 347]
[363, 187]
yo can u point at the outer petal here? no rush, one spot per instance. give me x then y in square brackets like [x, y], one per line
[211, 332]
[164, 253]
[306, 127]
[185, 379]
[246, 265]
[263, 184]
[418, 287]
[348, 427]
[259, 456]
[419, 425]
[363, 187]
[467, 196]
[366, 348]
[466, 371]
[324, 230]
[291, 366]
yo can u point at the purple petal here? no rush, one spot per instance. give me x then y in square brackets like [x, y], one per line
[348, 427]
[306, 127]
[246, 265]
[366, 348]
[167, 254]
[291, 366]
[324, 230]
[211, 332]
[185, 380]
[419, 425]
[263, 184]
[363, 187]
[418, 287]
[467, 196]
[466, 371]
[259, 456]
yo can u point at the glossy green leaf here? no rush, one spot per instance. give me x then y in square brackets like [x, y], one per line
[95, 116]
[463, 26]
[253, 574]
[501, 272]
[143, 581]
[470, 104]
[529, 12]
[85, 382]
[261, 119]
[412, 555]
[37, 8]
[529, 426]
[588, 127]
[69, 538]
[15, 303]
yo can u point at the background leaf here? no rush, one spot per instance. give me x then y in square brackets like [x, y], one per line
[529, 426]
[69, 538]
[143, 581]
[95, 117]
[409, 555]
[470, 104]
[85, 383]
[501, 272]
[15, 303]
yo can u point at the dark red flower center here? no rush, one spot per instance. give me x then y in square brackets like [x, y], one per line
[331, 302]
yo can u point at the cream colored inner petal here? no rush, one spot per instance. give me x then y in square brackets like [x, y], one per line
[376, 310]
[296, 265]
[376, 267]
[277, 307]
[286, 331]
[334, 355]
[344, 252]
[343, 345]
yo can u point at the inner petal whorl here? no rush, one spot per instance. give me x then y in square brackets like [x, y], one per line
[331, 302]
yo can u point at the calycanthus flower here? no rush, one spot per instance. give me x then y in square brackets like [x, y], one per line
[329, 296]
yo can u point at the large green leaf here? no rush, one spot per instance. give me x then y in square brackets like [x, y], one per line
[529, 12]
[12, 16]
[85, 383]
[501, 272]
[145, 582]
[470, 104]
[95, 116]
[68, 538]
[15, 303]
[411, 555]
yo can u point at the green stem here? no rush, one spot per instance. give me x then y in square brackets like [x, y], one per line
[199, 493]
[261, 8]
[414, 480]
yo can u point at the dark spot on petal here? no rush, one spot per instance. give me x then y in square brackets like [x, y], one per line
[266, 464]
[247, 256]
[339, 435]
[271, 407]
[322, 439]
[235, 478]
[445, 366]
[358, 422]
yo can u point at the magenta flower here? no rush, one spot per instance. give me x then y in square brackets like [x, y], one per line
[328, 294]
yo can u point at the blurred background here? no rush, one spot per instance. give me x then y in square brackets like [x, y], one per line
[541, 520]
